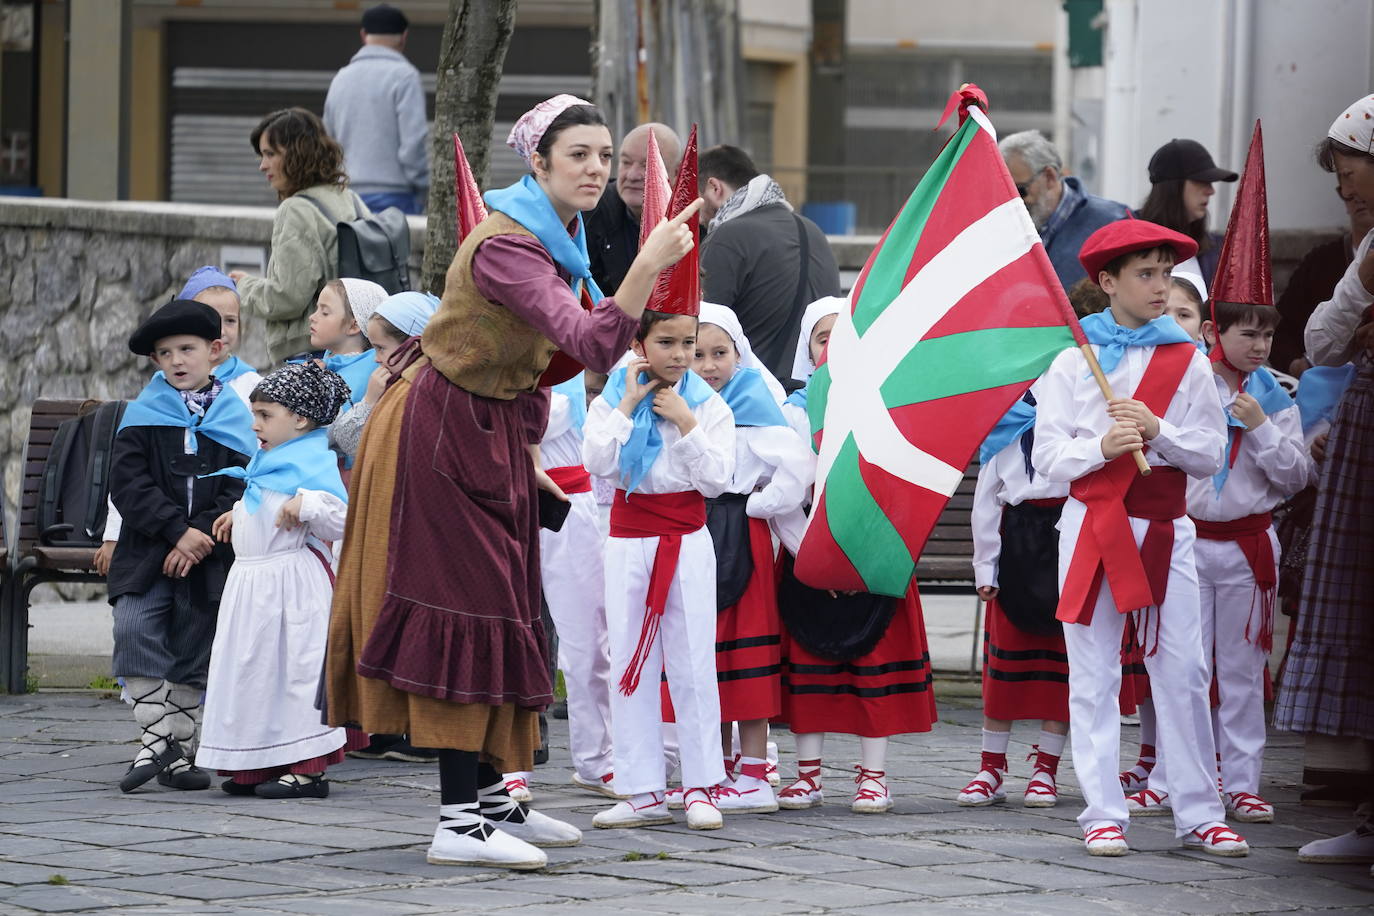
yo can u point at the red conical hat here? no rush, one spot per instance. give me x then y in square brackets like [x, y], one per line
[678, 290]
[467, 198]
[656, 190]
[1243, 273]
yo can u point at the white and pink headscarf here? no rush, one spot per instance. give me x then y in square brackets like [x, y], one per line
[527, 132]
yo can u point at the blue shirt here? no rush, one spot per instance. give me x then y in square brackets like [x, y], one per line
[1078, 216]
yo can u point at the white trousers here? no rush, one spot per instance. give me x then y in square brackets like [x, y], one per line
[685, 648]
[573, 565]
[1178, 672]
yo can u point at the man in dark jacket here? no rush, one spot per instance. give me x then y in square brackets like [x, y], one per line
[613, 227]
[167, 572]
[760, 259]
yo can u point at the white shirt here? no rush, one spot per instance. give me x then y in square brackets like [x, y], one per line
[1330, 333]
[771, 465]
[1272, 465]
[1071, 417]
[703, 460]
[561, 446]
[1002, 482]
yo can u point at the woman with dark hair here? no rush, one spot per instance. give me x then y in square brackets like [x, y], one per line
[304, 166]
[1327, 681]
[1181, 176]
[456, 653]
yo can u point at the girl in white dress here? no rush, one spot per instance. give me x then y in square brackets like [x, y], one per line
[261, 726]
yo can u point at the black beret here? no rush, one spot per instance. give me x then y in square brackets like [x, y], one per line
[385, 19]
[180, 316]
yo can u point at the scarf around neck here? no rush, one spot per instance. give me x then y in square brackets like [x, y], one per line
[527, 204]
[638, 454]
[1263, 387]
[1112, 339]
[226, 420]
[761, 191]
[748, 397]
[356, 369]
[303, 463]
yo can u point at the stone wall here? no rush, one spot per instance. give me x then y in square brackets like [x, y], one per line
[76, 277]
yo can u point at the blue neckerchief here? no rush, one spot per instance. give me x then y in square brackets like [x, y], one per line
[356, 369]
[527, 204]
[638, 454]
[1112, 339]
[231, 369]
[303, 463]
[228, 421]
[575, 390]
[1320, 390]
[750, 400]
[1014, 423]
[1263, 387]
[798, 397]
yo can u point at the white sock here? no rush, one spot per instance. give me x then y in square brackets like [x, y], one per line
[1050, 743]
[873, 753]
[810, 745]
[996, 742]
[641, 800]
[1146, 712]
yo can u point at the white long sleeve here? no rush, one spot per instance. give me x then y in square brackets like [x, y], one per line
[324, 514]
[1071, 418]
[1273, 464]
[1330, 333]
[771, 466]
[985, 519]
[114, 522]
[703, 460]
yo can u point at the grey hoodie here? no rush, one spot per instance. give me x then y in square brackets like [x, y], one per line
[376, 110]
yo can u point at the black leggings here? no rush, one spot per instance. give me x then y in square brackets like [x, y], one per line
[461, 774]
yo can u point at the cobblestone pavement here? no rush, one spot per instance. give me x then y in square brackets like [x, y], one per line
[69, 841]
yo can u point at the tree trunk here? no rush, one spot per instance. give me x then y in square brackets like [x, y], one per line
[472, 54]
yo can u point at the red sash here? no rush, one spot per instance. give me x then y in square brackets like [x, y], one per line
[1251, 534]
[571, 479]
[666, 516]
[1106, 545]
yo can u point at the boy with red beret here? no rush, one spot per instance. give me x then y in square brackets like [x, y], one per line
[1126, 542]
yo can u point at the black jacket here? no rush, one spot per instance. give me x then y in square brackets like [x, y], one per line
[148, 474]
[612, 240]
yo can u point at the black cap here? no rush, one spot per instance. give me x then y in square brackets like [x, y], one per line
[180, 316]
[385, 19]
[1186, 159]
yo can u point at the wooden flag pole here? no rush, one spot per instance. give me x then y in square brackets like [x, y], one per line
[1105, 386]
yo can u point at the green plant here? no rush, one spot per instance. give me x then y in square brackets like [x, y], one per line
[58, 879]
[632, 856]
[662, 855]
[30, 683]
[104, 682]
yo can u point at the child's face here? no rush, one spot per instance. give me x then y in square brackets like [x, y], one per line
[383, 344]
[820, 336]
[331, 326]
[670, 347]
[1140, 292]
[716, 358]
[225, 302]
[1185, 311]
[595, 383]
[1246, 346]
[186, 360]
[273, 424]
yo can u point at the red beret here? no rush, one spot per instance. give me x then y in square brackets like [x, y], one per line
[1127, 235]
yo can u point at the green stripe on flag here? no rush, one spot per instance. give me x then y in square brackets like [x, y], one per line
[862, 530]
[888, 273]
[957, 364]
[817, 396]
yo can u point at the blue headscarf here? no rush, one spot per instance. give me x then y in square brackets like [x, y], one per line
[202, 278]
[409, 311]
[798, 397]
[356, 368]
[1263, 387]
[302, 463]
[1320, 390]
[751, 402]
[575, 390]
[231, 369]
[1112, 339]
[227, 421]
[1015, 423]
[638, 454]
[527, 204]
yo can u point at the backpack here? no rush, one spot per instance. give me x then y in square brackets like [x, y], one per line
[373, 247]
[76, 478]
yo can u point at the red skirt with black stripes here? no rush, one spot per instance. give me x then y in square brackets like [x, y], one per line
[888, 691]
[1024, 676]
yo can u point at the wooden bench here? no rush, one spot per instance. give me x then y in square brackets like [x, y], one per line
[34, 561]
[945, 566]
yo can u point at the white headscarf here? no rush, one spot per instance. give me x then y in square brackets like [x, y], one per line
[363, 298]
[725, 319]
[1355, 126]
[1190, 270]
[802, 367]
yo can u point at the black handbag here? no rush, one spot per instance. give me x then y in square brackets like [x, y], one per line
[729, 526]
[841, 627]
[1028, 568]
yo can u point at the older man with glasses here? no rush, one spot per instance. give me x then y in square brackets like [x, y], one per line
[1063, 212]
